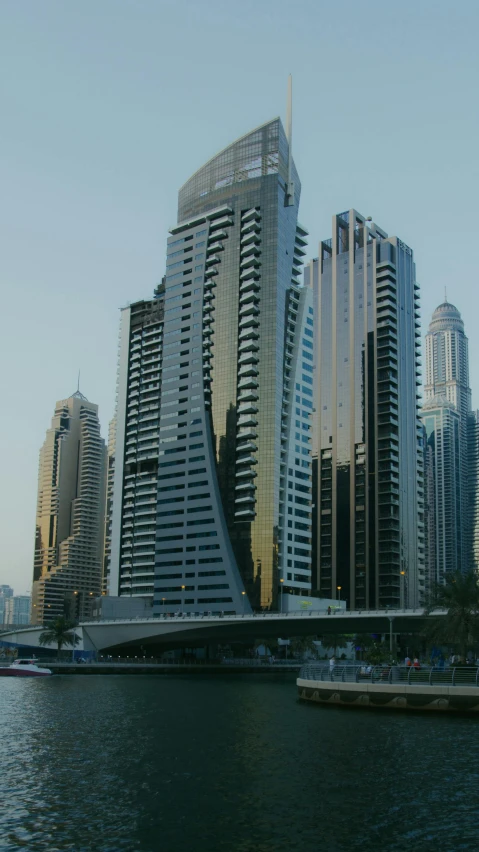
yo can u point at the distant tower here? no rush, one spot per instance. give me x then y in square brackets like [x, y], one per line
[473, 487]
[447, 376]
[70, 513]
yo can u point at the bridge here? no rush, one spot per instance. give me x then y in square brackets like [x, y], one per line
[179, 631]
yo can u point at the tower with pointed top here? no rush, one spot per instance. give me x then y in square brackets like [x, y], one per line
[446, 416]
[70, 513]
[215, 398]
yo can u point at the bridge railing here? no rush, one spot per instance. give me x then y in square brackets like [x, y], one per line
[258, 616]
[409, 675]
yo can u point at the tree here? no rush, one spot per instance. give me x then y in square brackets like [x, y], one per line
[459, 596]
[301, 644]
[61, 632]
[334, 641]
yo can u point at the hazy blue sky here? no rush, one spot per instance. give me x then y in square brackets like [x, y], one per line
[108, 106]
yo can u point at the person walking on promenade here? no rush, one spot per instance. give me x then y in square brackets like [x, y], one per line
[416, 663]
[332, 664]
[407, 661]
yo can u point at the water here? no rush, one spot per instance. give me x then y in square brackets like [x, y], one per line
[236, 763]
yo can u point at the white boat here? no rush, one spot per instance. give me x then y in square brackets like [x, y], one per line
[26, 667]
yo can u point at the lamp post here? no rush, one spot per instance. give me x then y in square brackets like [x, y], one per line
[391, 619]
[73, 645]
[282, 586]
[183, 599]
[243, 594]
[339, 595]
[403, 584]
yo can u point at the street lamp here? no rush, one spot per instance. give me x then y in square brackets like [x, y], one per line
[244, 598]
[391, 619]
[403, 589]
[182, 599]
[73, 645]
[339, 590]
[282, 586]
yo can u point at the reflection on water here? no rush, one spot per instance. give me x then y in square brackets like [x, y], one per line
[161, 764]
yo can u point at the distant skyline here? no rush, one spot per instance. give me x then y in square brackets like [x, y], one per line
[107, 108]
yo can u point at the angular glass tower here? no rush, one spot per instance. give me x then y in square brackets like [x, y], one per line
[229, 397]
[368, 523]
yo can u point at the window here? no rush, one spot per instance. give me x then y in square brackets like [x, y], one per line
[211, 573]
[200, 521]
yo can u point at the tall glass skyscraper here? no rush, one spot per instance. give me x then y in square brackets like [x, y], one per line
[212, 486]
[473, 487]
[368, 523]
[447, 377]
[443, 497]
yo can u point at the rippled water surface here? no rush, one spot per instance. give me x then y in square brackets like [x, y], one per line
[226, 763]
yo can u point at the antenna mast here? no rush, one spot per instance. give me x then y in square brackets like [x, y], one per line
[289, 136]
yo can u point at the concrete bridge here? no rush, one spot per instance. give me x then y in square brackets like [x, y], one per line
[188, 631]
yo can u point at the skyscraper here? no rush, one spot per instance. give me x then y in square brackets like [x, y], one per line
[212, 489]
[473, 487]
[6, 592]
[447, 376]
[18, 609]
[442, 481]
[70, 513]
[368, 523]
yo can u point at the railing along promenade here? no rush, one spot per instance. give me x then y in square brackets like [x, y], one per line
[407, 675]
[258, 616]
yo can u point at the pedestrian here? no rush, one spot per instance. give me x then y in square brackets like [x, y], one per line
[329, 610]
[332, 664]
[407, 661]
[416, 664]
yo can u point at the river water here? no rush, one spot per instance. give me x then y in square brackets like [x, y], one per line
[235, 763]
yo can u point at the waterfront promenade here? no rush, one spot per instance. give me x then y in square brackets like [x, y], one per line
[455, 688]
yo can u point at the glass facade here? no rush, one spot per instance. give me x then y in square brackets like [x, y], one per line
[443, 501]
[447, 378]
[367, 459]
[235, 316]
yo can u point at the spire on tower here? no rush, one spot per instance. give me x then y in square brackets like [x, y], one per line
[289, 136]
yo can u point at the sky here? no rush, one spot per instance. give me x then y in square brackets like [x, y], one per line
[108, 106]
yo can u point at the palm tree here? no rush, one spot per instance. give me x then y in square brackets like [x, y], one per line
[334, 641]
[60, 631]
[460, 626]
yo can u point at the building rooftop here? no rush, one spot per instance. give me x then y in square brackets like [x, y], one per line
[446, 316]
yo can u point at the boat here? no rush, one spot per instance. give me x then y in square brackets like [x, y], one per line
[26, 667]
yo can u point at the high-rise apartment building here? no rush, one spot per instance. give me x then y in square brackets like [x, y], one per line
[70, 513]
[18, 609]
[212, 485]
[110, 478]
[368, 524]
[442, 484]
[447, 376]
[473, 487]
[5, 593]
